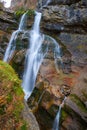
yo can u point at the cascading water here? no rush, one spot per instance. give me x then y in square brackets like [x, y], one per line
[33, 58]
[57, 119]
[12, 43]
[48, 1]
[56, 51]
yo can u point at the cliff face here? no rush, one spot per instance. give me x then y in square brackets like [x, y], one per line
[16, 4]
[14, 112]
[66, 21]
[11, 105]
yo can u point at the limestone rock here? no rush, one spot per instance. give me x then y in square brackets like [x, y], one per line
[15, 4]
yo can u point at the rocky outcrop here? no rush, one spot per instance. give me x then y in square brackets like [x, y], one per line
[64, 18]
[29, 118]
[8, 23]
[11, 104]
[66, 21]
[26, 4]
[14, 112]
[7, 20]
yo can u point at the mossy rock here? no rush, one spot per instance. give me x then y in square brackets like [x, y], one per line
[78, 102]
[11, 98]
[21, 11]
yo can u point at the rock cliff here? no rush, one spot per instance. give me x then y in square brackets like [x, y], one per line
[15, 4]
[66, 21]
[14, 112]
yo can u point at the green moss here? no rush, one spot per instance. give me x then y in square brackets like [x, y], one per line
[85, 51]
[11, 103]
[84, 94]
[30, 12]
[63, 115]
[7, 72]
[21, 11]
[2, 109]
[81, 46]
[24, 126]
[78, 102]
[18, 108]
[53, 110]
[9, 97]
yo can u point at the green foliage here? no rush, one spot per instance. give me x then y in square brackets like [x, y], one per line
[7, 72]
[63, 115]
[30, 12]
[78, 102]
[18, 91]
[2, 109]
[9, 97]
[24, 126]
[21, 11]
[18, 108]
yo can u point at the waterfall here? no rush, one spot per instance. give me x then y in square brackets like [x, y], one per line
[48, 1]
[12, 43]
[33, 58]
[22, 25]
[57, 119]
[57, 52]
[46, 4]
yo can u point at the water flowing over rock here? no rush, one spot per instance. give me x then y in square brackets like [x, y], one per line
[57, 119]
[63, 73]
[66, 21]
[12, 44]
[13, 108]
[32, 65]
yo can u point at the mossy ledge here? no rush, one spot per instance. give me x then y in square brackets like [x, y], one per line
[11, 99]
[21, 11]
[78, 102]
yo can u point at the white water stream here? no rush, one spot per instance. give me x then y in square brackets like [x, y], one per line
[57, 118]
[12, 43]
[33, 58]
[48, 1]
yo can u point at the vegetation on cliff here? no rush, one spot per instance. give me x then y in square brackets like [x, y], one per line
[21, 11]
[11, 99]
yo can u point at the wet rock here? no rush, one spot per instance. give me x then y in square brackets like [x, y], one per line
[58, 2]
[77, 46]
[8, 23]
[18, 61]
[63, 18]
[7, 20]
[75, 104]
[29, 118]
[65, 89]
[54, 27]
[11, 105]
